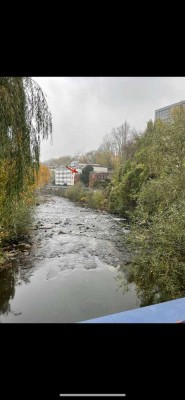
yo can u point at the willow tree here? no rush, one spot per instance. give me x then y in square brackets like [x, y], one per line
[24, 121]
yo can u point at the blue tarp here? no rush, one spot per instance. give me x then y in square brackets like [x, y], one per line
[168, 312]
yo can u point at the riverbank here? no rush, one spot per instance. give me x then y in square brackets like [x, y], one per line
[92, 198]
[15, 248]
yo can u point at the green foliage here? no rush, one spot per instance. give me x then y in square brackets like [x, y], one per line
[75, 192]
[158, 266]
[101, 184]
[84, 176]
[97, 200]
[126, 185]
[94, 199]
[2, 259]
[150, 189]
[24, 121]
[16, 217]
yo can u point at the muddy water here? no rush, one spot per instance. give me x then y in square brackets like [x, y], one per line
[70, 271]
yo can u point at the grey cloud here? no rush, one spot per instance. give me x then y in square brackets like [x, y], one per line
[84, 109]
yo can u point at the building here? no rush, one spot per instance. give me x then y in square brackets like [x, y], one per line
[99, 176]
[164, 113]
[98, 173]
[100, 169]
[63, 176]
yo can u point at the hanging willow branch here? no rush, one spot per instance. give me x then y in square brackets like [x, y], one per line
[24, 121]
[38, 116]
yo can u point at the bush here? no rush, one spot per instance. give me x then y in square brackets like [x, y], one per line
[151, 190]
[123, 195]
[158, 265]
[101, 184]
[16, 217]
[97, 200]
[75, 192]
[94, 199]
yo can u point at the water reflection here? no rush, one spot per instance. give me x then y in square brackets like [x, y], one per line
[7, 290]
[10, 278]
[146, 295]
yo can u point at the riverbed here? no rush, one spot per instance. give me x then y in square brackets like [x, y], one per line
[70, 270]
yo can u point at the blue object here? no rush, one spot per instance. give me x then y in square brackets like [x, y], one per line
[169, 312]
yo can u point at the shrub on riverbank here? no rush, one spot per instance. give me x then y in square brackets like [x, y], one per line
[92, 198]
[16, 218]
[158, 264]
[151, 191]
[75, 192]
[97, 200]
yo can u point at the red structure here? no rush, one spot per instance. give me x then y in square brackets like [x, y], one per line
[73, 170]
[99, 176]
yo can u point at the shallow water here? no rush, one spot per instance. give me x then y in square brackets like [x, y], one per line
[69, 274]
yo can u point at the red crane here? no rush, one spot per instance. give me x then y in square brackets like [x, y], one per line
[73, 170]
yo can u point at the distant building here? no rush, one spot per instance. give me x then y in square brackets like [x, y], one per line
[63, 176]
[99, 176]
[100, 169]
[74, 164]
[164, 113]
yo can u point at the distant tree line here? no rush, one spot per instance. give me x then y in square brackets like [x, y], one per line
[110, 153]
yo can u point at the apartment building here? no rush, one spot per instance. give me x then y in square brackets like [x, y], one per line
[164, 113]
[63, 176]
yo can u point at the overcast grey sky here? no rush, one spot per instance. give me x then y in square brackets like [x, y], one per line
[84, 109]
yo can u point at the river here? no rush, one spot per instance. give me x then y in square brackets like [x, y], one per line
[69, 272]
